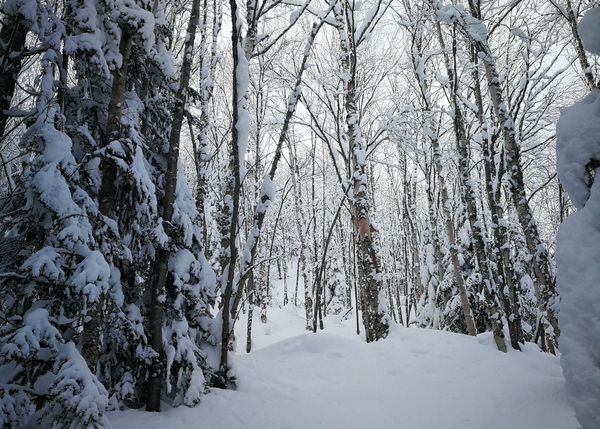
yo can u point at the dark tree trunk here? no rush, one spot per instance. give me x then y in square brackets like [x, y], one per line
[153, 388]
[90, 347]
[12, 44]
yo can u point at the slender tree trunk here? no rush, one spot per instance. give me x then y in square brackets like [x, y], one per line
[264, 299]
[433, 221]
[284, 262]
[234, 187]
[297, 195]
[250, 293]
[153, 389]
[500, 238]
[398, 298]
[544, 282]
[359, 304]
[318, 284]
[489, 283]
[12, 45]
[581, 54]
[90, 348]
[448, 224]
[297, 280]
[201, 152]
[375, 317]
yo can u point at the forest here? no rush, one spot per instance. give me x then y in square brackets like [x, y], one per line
[178, 176]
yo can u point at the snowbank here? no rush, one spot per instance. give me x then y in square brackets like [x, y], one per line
[578, 243]
[415, 378]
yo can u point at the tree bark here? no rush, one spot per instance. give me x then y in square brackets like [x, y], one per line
[375, 317]
[90, 348]
[544, 282]
[12, 44]
[489, 282]
[157, 292]
[581, 54]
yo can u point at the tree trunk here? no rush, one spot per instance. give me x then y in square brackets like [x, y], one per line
[201, 153]
[500, 238]
[284, 262]
[449, 226]
[581, 54]
[375, 317]
[90, 348]
[12, 44]
[161, 267]
[489, 282]
[250, 293]
[543, 279]
[297, 195]
[229, 247]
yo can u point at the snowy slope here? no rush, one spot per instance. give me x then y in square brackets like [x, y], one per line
[413, 379]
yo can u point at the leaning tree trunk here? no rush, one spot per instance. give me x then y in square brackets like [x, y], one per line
[581, 54]
[544, 282]
[499, 230]
[447, 216]
[489, 282]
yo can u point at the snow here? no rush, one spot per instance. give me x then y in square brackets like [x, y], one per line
[27, 8]
[419, 67]
[91, 276]
[578, 244]
[333, 379]
[44, 262]
[578, 142]
[26, 340]
[243, 121]
[79, 398]
[268, 189]
[295, 14]
[366, 22]
[588, 31]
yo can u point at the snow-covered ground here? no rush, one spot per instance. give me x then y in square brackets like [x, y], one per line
[414, 379]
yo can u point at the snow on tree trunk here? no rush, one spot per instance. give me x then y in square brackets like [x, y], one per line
[489, 282]
[158, 291]
[374, 308]
[446, 203]
[239, 142]
[475, 31]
